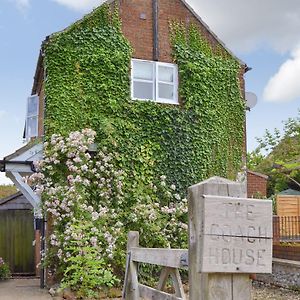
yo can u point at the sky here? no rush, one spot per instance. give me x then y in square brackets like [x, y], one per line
[264, 34]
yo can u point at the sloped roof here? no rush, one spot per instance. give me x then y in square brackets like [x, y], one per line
[9, 198]
[29, 152]
[16, 201]
[258, 174]
[290, 192]
[39, 66]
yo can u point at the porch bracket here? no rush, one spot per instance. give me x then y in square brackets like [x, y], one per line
[27, 191]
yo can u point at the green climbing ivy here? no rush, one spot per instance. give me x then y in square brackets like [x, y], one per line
[88, 85]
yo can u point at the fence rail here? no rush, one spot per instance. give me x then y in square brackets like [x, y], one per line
[286, 228]
[170, 259]
[219, 259]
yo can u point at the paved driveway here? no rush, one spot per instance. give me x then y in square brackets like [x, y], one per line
[22, 289]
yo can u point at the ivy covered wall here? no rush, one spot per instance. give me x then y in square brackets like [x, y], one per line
[88, 85]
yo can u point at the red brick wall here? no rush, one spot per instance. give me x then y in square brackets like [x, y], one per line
[256, 184]
[286, 252]
[140, 32]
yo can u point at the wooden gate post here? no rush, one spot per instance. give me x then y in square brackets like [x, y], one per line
[131, 285]
[228, 238]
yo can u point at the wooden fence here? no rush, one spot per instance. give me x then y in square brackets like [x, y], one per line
[229, 237]
[286, 228]
[288, 205]
[170, 259]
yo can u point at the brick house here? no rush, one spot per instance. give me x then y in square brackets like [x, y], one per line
[145, 24]
[153, 75]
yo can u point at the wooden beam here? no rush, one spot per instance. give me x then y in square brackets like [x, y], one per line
[176, 280]
[17, 167]
[131, 285]
[156, 256]
[26, 190]
[149, 293]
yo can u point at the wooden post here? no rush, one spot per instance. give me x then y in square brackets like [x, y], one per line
[218, 244]
[37, 252]
[276, 230]
[131, 285]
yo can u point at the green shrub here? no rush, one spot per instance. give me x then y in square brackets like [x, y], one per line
[4, 270]
[93, 204]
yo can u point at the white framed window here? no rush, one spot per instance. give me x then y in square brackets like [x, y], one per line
[154, 81]
[32, 113]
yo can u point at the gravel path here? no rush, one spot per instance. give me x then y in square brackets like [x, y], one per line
[263, 292]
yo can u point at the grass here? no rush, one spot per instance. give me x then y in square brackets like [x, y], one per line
[7, 190]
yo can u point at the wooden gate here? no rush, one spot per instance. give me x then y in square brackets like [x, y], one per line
[16, 238]
[230, 237]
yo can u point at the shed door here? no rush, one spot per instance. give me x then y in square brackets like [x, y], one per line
[16, 237]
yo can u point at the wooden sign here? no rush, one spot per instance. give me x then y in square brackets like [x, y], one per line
[236, 235]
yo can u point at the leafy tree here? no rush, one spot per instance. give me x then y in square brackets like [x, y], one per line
[254, 159]
[278, 155]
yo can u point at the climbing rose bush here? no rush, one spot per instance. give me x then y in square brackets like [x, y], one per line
[92, 204]
[4, 270]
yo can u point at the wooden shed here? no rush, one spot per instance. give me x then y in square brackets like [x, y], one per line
[17, 235]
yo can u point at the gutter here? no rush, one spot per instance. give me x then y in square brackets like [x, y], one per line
[247, 68]
[155, 30]
[4, 162]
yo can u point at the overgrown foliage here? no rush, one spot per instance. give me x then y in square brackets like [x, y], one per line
[96, 200]
[88, 71]
[210, 87]
[278, 155]
[93, 205]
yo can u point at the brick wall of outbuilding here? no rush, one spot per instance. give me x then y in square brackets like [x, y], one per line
[256, 184]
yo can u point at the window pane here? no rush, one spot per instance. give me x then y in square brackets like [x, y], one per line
[32, 108]
[165, 74]
[142, 70]
[143, 90]
[32, 127]
[166, 91]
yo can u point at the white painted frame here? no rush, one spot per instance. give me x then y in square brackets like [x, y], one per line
[156, 82]
[33, 115]
[174, 84]
[16, 171]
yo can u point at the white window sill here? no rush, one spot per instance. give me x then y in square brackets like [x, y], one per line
[161, 101]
